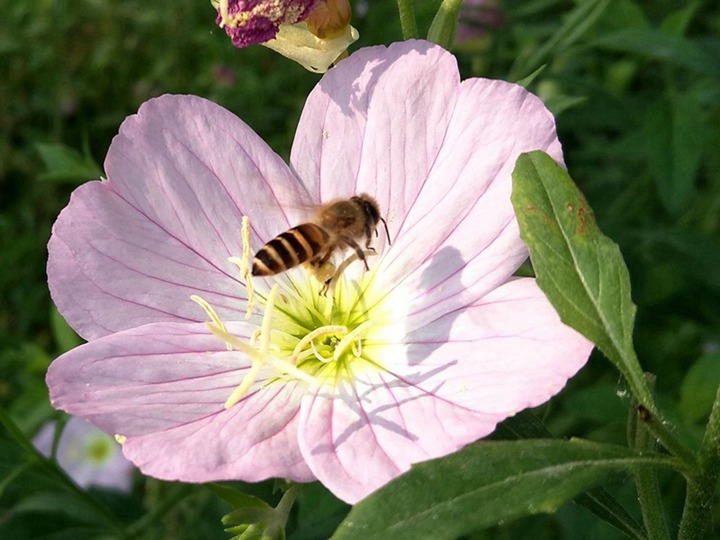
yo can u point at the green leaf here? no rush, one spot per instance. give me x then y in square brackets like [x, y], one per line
[577, 23]
[663, 47]
[237, 499]
[679, 20]
[65, 337]
[486, 484]
[525, 425]
[579, 269]
[674, 139]
[601, 503]
[698, 389]
[66, 165]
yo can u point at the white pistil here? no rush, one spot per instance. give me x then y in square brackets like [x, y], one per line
[357, 348]
[349, 339]
[317, 355]
[308, 339]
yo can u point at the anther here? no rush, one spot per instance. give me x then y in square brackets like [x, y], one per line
[244, 266]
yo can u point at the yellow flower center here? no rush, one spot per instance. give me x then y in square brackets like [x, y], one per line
[320, 339]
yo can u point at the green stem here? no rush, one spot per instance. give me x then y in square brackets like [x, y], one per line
[646, 481]
[653, 422]
[286, 503]
[701, 487]
[406, 8]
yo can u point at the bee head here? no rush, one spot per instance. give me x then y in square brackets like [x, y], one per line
[370, 207]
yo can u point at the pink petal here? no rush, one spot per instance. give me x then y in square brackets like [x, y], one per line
[449, 385]
[375, 123]
[361, 440]
[437, 154]
[506, 352]
[163, 386]
[130, 250]
[461, 239]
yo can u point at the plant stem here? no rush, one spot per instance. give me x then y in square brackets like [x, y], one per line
[654, 422]
[646, 482]
[288, 500]
[406, 8]
[701, 486]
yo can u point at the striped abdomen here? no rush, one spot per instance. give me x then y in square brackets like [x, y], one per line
[289, 249]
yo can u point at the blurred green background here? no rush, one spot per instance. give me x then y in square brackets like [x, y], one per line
[635, 86]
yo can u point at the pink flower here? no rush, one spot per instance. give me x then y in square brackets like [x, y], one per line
[476, 18]
[414, 359]
[89, 456]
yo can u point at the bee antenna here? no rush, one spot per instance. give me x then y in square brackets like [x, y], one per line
[387, 232]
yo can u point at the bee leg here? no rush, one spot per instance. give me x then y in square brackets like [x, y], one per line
[358, 250]
[321, 261]
[326, 286]
[368, 237]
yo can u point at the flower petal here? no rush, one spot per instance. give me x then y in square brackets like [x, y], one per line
[373, 431]
[461, 239]
[163, 386]
[182, 172]
[448, 385]
[439, 165]
[506, 352]
[375, 123]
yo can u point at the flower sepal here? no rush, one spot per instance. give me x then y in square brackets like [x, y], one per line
[253, 518]
[298, 43]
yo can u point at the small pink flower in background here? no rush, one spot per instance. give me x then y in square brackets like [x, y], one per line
[89, 456]
[476, 18]
[410, 361]
[313, 33]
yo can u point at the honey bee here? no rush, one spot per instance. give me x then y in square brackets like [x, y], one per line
[338, 224]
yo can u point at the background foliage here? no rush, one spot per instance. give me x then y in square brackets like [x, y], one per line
[635, 86]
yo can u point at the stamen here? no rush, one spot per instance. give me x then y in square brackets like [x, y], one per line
[214, 317]
[329, 286]
[289, 368]
[267, 319]
[120, 438]
[348, 340]
[245, 235]
[259, 357]
[309, 338]
[244, 266]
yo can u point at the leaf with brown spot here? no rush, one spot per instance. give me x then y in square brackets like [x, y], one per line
[580, 270]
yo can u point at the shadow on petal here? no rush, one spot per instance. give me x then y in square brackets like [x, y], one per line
[348, 93]
[434, 279]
